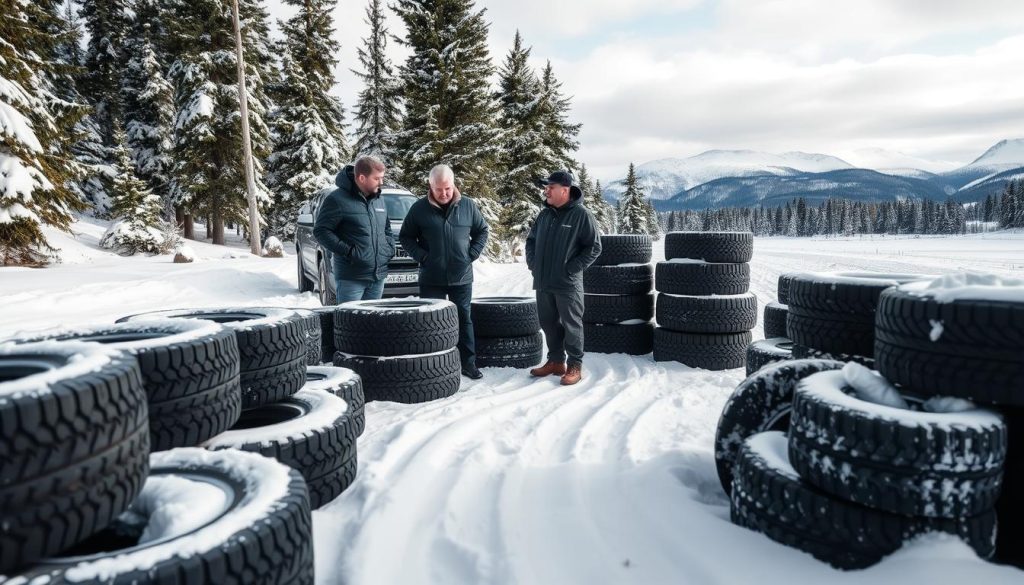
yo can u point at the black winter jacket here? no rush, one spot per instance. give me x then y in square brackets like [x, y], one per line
[356, 230]
[444, 242]
[562, 243]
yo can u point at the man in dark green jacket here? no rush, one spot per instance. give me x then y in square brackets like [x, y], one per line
[445, 232]
[352, 223]
[564, 241]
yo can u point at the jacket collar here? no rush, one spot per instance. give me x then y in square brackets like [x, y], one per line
[435, 204]
[346, 181]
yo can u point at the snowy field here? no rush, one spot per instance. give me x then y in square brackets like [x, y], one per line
[516, 480]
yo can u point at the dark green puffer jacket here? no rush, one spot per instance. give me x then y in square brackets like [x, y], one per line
[563, 241]
[356, 230]
[444, 242]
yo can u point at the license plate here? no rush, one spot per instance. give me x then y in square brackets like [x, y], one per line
[402, 277]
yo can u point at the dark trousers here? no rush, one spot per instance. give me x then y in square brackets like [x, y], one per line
[462, 296]
[561, 318]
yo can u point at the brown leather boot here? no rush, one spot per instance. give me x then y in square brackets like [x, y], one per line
[573, 375]
[551, 368]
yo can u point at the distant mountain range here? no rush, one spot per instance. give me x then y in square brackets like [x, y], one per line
[743, 178]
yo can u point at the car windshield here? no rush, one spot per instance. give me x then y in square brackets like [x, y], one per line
[398, 205]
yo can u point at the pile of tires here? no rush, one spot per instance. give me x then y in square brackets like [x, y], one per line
[506, 331]
[705, 311]
[776, 345]
[617, 300]
[404, 350]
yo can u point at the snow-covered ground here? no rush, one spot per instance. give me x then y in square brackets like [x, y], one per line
[516, 480]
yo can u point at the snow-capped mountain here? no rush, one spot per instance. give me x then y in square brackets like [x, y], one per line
[1006, 155]
[894, 162]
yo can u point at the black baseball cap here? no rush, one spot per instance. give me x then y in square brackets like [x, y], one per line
[564, 178]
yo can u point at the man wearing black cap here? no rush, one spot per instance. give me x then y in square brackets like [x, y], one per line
[563, 242]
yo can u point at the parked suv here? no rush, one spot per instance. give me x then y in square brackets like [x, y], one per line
[315, 263]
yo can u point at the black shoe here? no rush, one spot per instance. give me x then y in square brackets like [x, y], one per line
[472, 372]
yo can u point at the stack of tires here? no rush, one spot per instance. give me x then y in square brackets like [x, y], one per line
[404, 350]
[506, 331]
[829, 458]
[617, 300]
[776, 345]
[705, 311]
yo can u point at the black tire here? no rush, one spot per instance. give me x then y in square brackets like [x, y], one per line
[271, 348]
[802, 352]
[967, 348]
[326, 316]
[412, 379]
[612, 309]
[341, 382]
[618, 280]
[731, 247]
[523, 351]
[1010, 507]
[783, 287]
[389, 327]
[311, 431]
[630, 339]
[189, 370]
[711, 351]
[314, 335]
[769, 497]
[731, 314]
[504, 316]
[325, 284]
[305, 284]
[913, 463]
[74, 449]
[835, 312]
[263, 537]
[624, 249]
[760, 403]
[767, 351]
[775, 320]
[701, 278]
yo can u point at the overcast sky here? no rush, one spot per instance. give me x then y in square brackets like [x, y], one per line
[937, 79]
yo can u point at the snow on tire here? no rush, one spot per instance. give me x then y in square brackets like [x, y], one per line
[628, 338]
[624, 249]
[408, 379]
[802, 352]
[326, 316]
[917, 463]
[271, 348]
[767, 351]
[711, 351]
[710, 246]
[768, 496]
[612, 309]
[390, 327]
[622, 279]
[775, 320]
[311, 431]
[697, 278]
[248, 523]
[760, 403]
[707, 314]
[504, 316]
[314, 341]
[74, 445]
[970, 347]
[782, 288]
[341, 382]
[189, 369]
[523, 351]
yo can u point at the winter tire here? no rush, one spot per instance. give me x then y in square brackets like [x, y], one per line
[326, 316]
[392, 327]
[769, 497]
[916, 463]
[1010, 508]
[783, 287]
[624, 249]
[74, 445]
[627, 338]
[311, 431]
[696, 278]
[314, 340]
[189, 369]
[408, 379]
[612, 309]
[271, 348]
[968, 348]
[722, 314]
[510, 352]
[711, 351]
[775, 320]
[767, 351]
[760, 403]
[341, 382]
[504, 316]
[731, 247]
[248, 523]
[802, 352]
[627, 279]
[325, 284]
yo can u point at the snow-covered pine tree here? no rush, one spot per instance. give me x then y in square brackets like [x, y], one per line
[34, 140]
[633, 214]
[136, 210]
[378, 109]
[558, 133]
[307, 122]
[603, 212]
[208, 175]
[653, 220]
[450, 113]
[107, 22]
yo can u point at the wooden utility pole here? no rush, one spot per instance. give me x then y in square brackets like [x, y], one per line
[250, 179]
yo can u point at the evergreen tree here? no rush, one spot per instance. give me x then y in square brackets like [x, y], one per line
[522, 158]
[449, 109]
[633, 214]
[593, 200]
[136, 208]
[107, 22]
[558, 134]
[379, 108]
